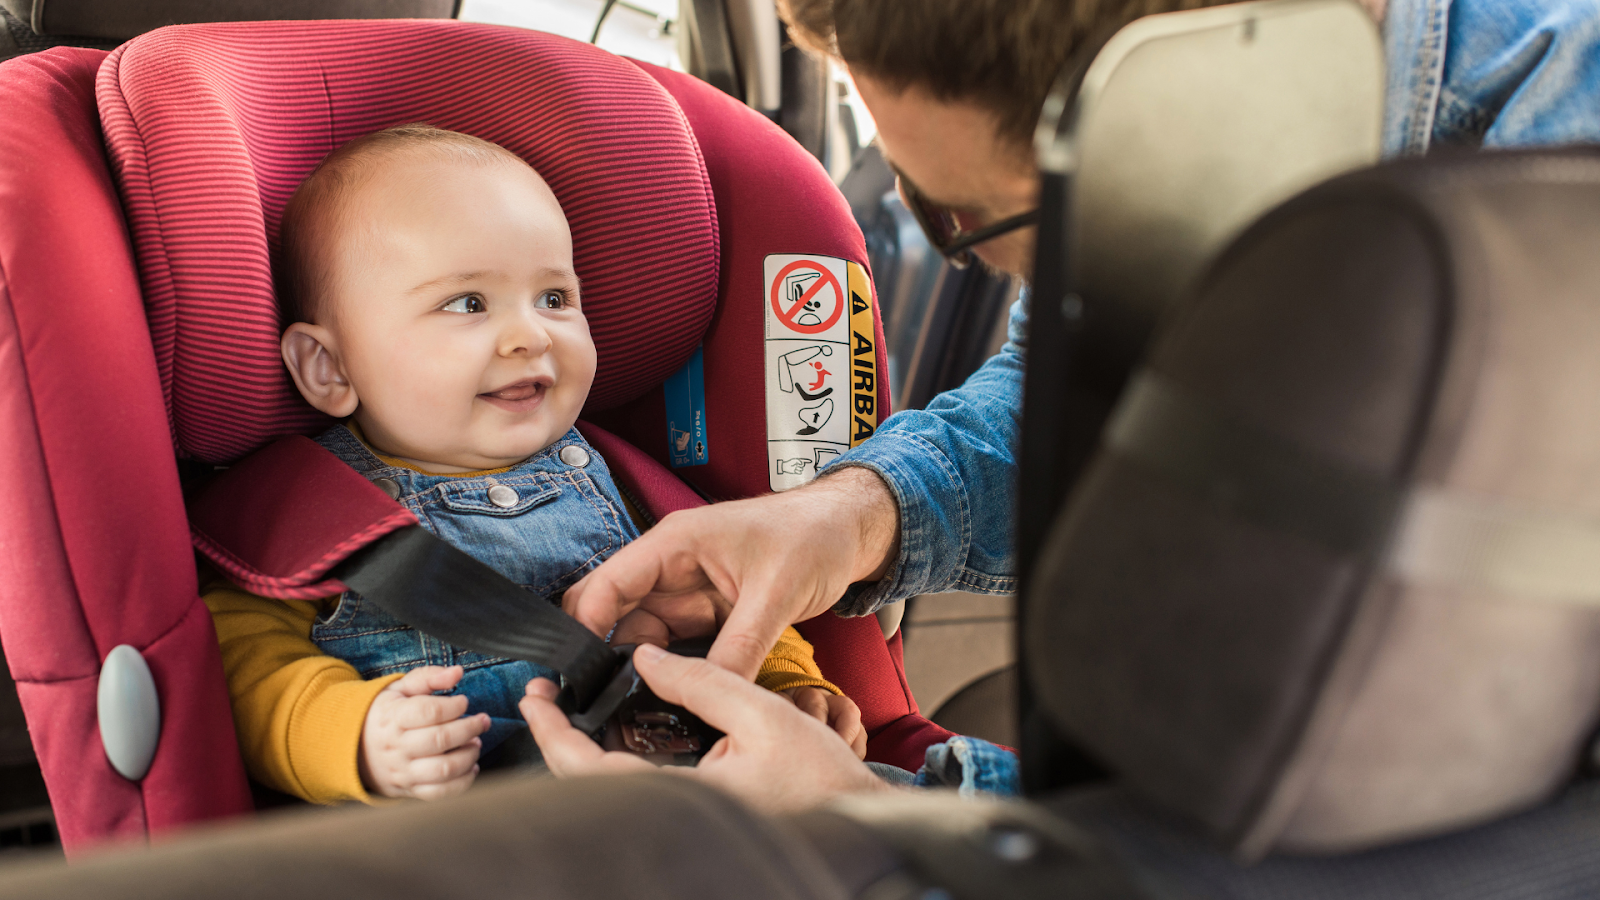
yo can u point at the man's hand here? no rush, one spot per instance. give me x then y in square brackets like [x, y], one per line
[753, 566]
[773, 756]
[415, 744]
[835, 711]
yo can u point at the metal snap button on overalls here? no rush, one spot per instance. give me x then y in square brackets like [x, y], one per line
[503, 496]
[389, 486]
[574, 456]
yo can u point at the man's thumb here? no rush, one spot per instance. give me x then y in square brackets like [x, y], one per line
[745, 638]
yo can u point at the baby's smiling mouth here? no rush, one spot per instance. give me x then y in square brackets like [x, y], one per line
[519, 396]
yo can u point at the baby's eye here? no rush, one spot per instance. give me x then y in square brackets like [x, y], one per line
[551, 300]
[466, 303]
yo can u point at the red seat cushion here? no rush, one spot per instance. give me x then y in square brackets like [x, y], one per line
[211, 127]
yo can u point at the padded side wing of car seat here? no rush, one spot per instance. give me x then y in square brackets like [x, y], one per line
[94, 548]
[771, 197]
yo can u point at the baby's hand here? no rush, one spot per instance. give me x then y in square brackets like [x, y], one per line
[837, 712]
[415, 744]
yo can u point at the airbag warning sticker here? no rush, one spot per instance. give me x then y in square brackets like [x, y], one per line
[821, 364]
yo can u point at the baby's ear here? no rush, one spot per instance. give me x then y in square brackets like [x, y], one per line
[312, 356]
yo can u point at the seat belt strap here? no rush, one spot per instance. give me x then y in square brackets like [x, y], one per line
[441, 591]
[293, 521]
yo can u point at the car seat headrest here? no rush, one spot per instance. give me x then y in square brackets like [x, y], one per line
[210, 128]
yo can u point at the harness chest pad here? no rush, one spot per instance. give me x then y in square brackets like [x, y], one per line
[210, 129]
[277, 522]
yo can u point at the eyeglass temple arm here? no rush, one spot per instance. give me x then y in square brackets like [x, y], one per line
[989, 232]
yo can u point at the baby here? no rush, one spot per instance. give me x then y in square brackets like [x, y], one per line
[429, 282]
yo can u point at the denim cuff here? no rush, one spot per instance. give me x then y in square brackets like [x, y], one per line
[971, 766]
[935, 521]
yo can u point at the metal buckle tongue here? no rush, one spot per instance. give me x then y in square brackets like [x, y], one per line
[627, 715]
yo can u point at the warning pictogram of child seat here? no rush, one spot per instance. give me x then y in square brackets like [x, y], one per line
[807, 297]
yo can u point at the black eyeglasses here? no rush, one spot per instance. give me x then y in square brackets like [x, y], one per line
[944, 231]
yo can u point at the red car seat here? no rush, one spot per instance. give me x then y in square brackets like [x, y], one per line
[137, 317]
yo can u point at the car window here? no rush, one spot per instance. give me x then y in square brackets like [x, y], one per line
[642, 29]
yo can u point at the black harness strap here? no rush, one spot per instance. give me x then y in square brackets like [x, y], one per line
[439, 590]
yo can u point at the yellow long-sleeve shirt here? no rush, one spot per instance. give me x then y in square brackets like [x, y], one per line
[299, 712]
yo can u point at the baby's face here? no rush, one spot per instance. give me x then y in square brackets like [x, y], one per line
[455, 308]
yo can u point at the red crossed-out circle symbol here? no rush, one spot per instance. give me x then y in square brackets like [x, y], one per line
[827, 280]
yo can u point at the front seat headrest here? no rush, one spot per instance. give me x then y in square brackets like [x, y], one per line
[1332, 578]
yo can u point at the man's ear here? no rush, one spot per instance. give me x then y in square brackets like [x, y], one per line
[312, 356]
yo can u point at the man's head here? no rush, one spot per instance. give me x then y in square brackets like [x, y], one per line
[955, 87]
[428, 280]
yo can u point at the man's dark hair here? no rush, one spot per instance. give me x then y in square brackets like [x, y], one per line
[1003, 55]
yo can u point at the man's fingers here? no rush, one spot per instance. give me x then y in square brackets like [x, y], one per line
[447, 789]
[753, 627]
[610, 592]
[420, 712]
[544, 688]
[722, 698]
[427, 679]
[641, 627]
[436, 740]
[568, 751]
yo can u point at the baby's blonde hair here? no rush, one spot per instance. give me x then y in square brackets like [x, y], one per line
[301, 272]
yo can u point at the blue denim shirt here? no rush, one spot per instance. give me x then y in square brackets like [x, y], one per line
[1464, 73]
[544, 523]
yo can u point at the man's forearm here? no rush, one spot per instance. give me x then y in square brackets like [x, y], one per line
[874, 514]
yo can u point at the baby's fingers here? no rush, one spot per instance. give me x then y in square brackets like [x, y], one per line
[445, 768]
[845, 718]
[436, 740]
[811, 701]
[447, 789]
[421, 712]
[427, 679]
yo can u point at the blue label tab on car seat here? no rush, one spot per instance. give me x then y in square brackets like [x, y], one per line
[686, 413]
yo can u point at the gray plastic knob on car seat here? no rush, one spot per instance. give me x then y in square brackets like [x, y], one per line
[129, 712]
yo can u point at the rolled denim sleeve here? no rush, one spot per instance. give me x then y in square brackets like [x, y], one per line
[952, 470]
[973, 767]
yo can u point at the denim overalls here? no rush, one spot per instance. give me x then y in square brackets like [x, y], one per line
[543, 523]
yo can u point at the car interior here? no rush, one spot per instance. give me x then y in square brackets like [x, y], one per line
[1306, 602]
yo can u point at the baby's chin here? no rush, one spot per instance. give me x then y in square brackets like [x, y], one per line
[479, 445]
[456, 460]
[513, 448]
